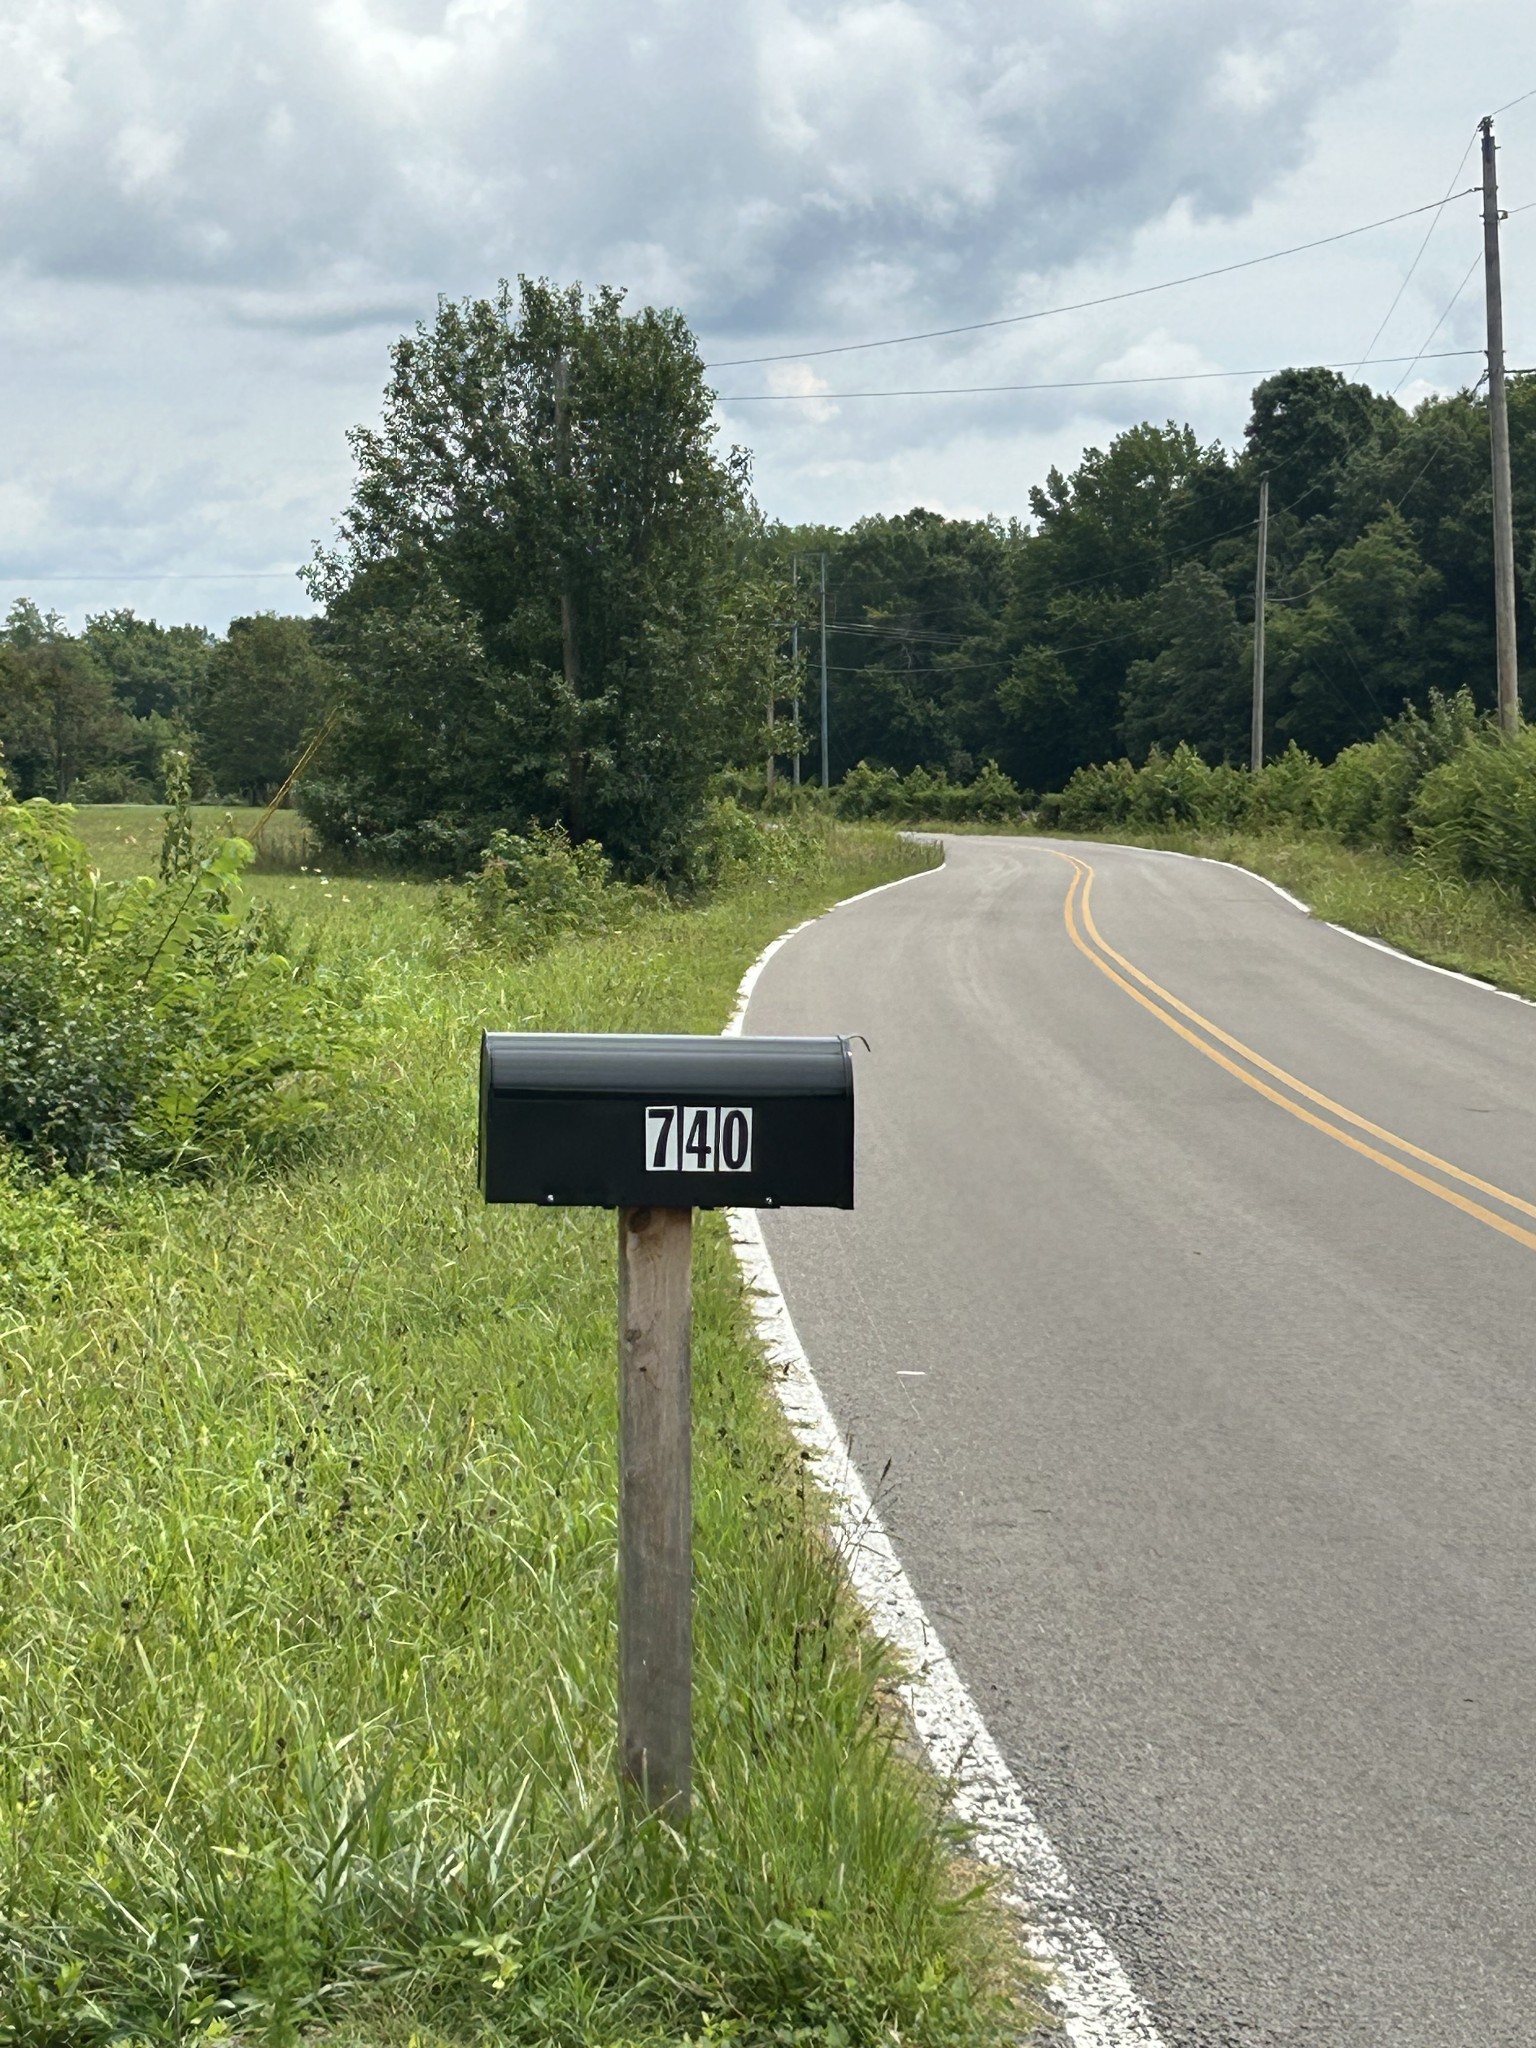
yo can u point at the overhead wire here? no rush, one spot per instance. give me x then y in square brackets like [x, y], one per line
[1418, 257]
[1450, 307]
[1061, 384]
[1142, 291]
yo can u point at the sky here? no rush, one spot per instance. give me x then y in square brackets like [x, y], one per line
[214, 219]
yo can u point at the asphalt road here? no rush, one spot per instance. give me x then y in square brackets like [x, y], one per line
[1208, 1433]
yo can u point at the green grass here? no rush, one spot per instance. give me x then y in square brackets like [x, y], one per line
[1472, 927]
[124, 839]
[307, 1582]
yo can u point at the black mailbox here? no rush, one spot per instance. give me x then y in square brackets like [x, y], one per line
[615, 1121]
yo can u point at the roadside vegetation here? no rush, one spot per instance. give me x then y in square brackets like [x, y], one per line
[307, 1608]
[1424, 836]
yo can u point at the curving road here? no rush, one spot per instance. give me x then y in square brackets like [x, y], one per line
[1189, 1311]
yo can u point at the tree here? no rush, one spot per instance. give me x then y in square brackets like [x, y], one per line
[1350, 657]
[154, 670]
[264, 691]
[540, 600]
[1197, 689]
[58, 716]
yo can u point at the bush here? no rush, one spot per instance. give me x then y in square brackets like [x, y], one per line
[1369, 791]
[114, 785]
[1475, 814]
[733, 845]
[925, 797]
[1287, 793]
[532, 888]
[155, 1023]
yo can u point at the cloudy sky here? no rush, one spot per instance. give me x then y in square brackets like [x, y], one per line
[215, 217]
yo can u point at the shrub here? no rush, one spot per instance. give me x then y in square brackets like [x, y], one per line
[1475, 814]
[156, 1023]
[116, 784]
[1288, 792]
[1096, 795]
[733, 845]
[925, 796]
[532, 888]
[1369, 791]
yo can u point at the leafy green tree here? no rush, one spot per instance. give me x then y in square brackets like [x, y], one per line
[542, 601]
[1348, 656]
[1197, 690]
[154, 670]
[58, 715]
[264, 691]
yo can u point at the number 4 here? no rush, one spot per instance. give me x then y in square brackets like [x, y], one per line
[699, 1140]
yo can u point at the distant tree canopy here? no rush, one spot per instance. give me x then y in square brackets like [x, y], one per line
[544, 602]
[1120, 617]
[90, 716]
[263, 692]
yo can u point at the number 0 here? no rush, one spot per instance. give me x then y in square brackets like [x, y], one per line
[735, 1140]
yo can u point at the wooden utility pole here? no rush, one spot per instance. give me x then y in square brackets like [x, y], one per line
[794, 658]
[570, 654]
[1498, 433]
[655, 1507]
[1256, 737]
[826, 769]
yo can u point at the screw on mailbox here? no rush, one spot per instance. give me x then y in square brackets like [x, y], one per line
[656, 1127]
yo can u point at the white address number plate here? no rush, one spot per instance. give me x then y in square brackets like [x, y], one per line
[683, 1140]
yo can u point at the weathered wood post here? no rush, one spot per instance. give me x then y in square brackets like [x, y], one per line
[655, 1506]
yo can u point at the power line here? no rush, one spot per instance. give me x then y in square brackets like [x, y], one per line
[1455, 295]
[1413, 266]
[1084, 305]
[1531, 95]
[1065, 384]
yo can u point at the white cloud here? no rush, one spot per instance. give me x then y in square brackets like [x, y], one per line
[216, 216]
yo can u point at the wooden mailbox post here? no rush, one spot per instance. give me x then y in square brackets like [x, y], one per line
[656, 1127]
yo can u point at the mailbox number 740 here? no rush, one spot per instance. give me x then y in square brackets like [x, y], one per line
[683, 1140]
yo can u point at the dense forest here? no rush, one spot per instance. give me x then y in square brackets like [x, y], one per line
[554, 602]
[1119, 617]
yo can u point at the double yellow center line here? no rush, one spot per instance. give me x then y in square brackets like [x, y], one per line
[1245, 1065]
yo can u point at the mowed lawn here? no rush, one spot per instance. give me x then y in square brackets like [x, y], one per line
[307, 1613]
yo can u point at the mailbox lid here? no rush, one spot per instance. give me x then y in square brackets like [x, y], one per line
[599, 1120]
[521, 1063]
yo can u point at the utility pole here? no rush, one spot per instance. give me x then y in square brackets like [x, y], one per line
[1256, 740]
[1498, 431]
[794, 658]
[826, 775]
[568, 649]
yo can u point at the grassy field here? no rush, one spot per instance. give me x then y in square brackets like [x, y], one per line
[123, 839]
[307, 1582]
[1471, 927]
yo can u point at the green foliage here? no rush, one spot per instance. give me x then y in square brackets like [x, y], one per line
[1475, 814]
[990, 797]
[540, 601]
[58, 716]
[154, 1022]
[306, 1604]
[533, 888]
[263, 692]
[154, 670]
[1369, 795]
[1197, 689]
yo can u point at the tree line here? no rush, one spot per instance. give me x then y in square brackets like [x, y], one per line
[553, 602]
[1119, 618]
[92, 717]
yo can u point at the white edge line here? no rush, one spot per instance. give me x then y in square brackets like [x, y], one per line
[1376, 945]
[1089, 1990]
